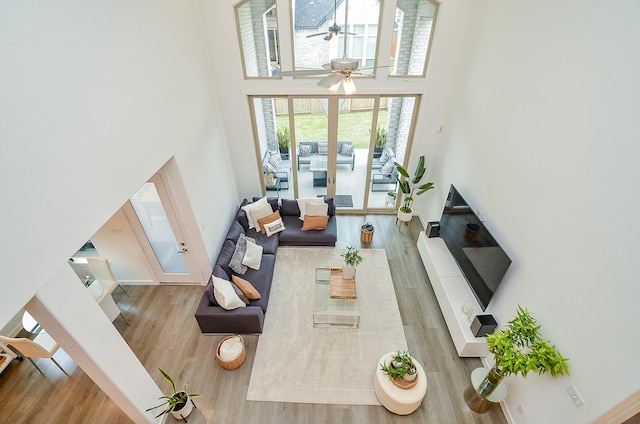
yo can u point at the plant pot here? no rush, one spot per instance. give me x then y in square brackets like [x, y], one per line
[377, 152]
[185, 410]
[348, 272]
[405, 216]
[410, 377]
[490, 382]
[284, 153]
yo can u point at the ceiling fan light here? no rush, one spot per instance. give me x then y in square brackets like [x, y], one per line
[349, 86]
[334, 88]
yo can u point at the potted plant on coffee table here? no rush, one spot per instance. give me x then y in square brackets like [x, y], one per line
[180, 403]
[352, 259]
[410, 188]
[519, 349]
[401, 369]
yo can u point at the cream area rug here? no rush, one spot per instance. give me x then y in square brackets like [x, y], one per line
[296, 362]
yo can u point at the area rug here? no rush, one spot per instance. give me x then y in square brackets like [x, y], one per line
[296, 362]
[342, 200]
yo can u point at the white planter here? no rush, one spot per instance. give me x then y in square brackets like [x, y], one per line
[403, 216]
[348, 272]
[185, 411]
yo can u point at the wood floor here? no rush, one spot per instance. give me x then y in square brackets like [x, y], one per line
[164, 334]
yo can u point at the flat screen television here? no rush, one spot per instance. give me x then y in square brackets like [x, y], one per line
[480, 258]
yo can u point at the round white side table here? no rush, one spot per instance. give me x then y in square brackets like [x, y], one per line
[397, 400]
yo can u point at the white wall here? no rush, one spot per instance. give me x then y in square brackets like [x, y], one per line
[96, 98]
[541, 134]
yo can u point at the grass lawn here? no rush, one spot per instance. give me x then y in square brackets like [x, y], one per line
[353, 126]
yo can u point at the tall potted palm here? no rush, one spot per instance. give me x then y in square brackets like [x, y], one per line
[410, 188]
[519, 349]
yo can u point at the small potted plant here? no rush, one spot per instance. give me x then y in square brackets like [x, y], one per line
[352, 259]
[283, 136]
[410, 188]
[401, 366]
[179, 403]
[381, 141]
[391, 198]
[519, 349]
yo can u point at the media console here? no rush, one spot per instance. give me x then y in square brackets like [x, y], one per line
[452, 291]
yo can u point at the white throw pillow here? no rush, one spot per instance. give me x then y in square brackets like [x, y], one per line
[317, 209]
[225, 294]
[302, 204]
[274, 227]
[323, 148]
[259, 213]
[347, 150]
[250, 206]
[253, 256]
[387, 169]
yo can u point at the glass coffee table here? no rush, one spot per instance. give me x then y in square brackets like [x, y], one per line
[331, 312]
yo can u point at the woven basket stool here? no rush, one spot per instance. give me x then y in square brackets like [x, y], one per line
[235, 363]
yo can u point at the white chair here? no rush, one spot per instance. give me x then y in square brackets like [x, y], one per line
[102, 272]
[43, 346]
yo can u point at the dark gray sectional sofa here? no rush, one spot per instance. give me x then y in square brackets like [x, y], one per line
[250, 319]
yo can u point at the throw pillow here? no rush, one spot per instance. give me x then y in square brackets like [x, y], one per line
[302, 204]
[305, 150]
[224, 258]
[259, 213]
[323, 148]
[240, 294]
[251, 206]
[238, 255]
[274, 227]
[387, 169]
[268, 167]
[246, 287]
[315, 223]
[273, 162]
[275, 154]
[316, 209]
[384, 156]
[289, 208]
[253, 256]
[225, 295]
[267, 219]
[347, 150]
[234, 231]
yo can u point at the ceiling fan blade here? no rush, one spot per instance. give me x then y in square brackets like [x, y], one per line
[316, 35]
[303, 72]
[330, 80]
[327, 66]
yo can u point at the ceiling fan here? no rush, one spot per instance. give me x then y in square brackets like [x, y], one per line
[333, 29]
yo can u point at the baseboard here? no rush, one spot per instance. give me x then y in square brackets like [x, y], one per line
[137, 282]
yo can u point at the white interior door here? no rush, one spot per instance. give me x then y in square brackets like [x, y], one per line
[153, 219]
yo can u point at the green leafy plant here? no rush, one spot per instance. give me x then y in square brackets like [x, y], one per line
[284, 137]
[381, 137]
[410, 187]
[178, 399]
[520, 349]
[352, 256]
[407, 366]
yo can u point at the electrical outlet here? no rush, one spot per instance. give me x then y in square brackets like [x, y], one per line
[575, 396]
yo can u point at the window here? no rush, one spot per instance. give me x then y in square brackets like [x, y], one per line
[258, 25]
[413, 28]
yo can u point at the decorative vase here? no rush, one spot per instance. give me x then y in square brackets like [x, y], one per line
[490, 382]
[185, 410]
[348, 272]
[405, 216]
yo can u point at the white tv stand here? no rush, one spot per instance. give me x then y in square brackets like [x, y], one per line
[452, 291]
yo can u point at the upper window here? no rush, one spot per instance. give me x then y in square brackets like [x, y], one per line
[257, 21]
[413, 28]
[330, 29]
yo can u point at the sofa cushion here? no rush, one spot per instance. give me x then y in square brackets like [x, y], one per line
[209, 293]
[317, 209]
[289, 207]
[224, 258]
[315, 222]
[261, 279]
[269, 244]
[323, 148]
[294, 236]
[302, 204]
[234, 231]
[347, 150]
[251, 206]
[241, 216]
